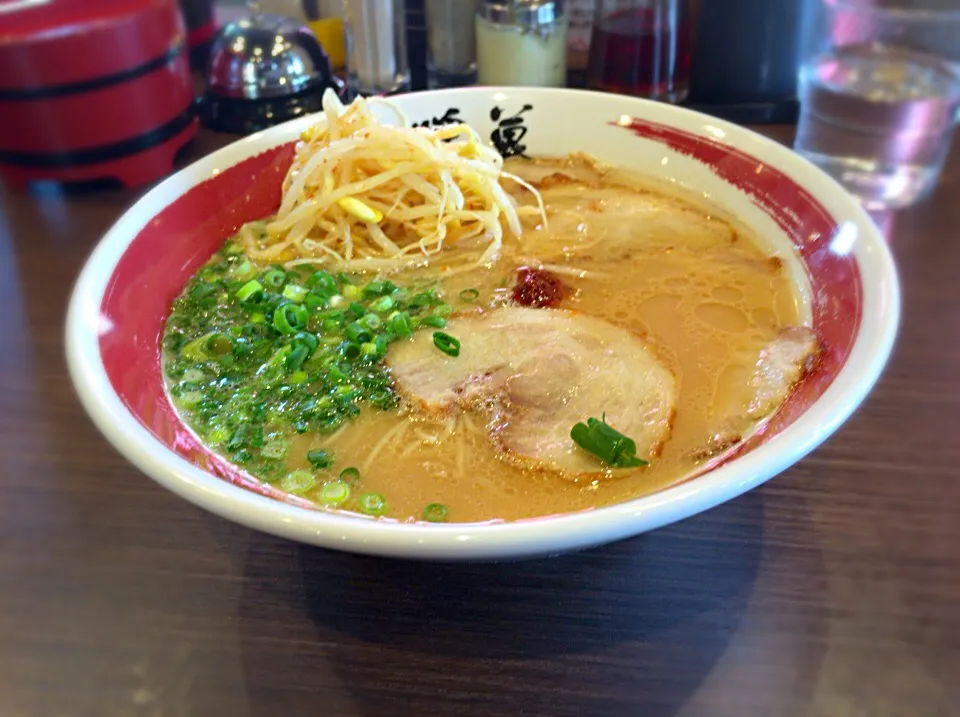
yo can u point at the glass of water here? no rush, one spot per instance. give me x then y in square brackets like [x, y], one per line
[879, 94]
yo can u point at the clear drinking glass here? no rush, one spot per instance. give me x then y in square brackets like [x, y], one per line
[879, 90]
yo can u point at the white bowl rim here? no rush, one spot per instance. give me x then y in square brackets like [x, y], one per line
[463, 541]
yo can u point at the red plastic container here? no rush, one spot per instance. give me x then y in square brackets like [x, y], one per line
[92, 90]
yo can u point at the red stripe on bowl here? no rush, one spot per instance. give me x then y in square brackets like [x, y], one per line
[153, 271]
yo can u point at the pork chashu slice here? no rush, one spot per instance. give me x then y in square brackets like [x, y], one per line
[533, 374]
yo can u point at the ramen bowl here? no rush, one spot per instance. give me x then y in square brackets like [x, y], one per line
[123, 297]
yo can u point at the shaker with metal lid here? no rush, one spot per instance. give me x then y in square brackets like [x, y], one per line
[264, 70]
[522, 42]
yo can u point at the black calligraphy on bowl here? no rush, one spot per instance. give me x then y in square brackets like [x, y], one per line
[508, 135]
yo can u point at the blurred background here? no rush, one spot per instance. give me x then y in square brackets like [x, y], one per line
[117, 88]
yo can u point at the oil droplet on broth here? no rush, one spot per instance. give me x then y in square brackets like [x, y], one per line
[723, 317]
[659, 310]
[727, 294]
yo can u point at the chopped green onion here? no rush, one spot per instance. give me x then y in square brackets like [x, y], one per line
[319, 459]
[344, 390]
[298, 377]
[243, 271]
[238, 439]
[307, 339]
[384, 303]
[350, 475]
[275, 449]
[201, 290]
[295, 293]
[336, 375]
[350, 292]
[343, 278]
[289, 318]
[314, 301]
[335, 494]
[275, 278]
[443, 310]
[373, 504]
[470, 294]
[437, 322]
[358, 333]
[298, 482]
[606, 443]
[335, 301]
[196, 350]
[369, 350]
[189, 399]
[378, 288]
[250, 291]
[400, 325]
[425, 298]
[350, 350]
[371, 321]
[218, 435]
[258, 317]
[435, 513]
[356, 309]
[322, 283]
[193, 375]
[218, 344]
[446, 343]
[296, 357]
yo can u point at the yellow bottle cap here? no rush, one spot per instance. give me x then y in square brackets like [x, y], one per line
[329, 32]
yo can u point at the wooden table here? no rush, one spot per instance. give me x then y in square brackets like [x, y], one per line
[832, 591]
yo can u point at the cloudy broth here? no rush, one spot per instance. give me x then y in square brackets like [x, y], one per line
[694, 283]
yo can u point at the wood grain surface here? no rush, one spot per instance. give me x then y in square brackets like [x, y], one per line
[832, 591]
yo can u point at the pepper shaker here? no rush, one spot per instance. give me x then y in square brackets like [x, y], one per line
[522, 42]
[377, 61]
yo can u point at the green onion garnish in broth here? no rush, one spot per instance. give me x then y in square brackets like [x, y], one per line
[250, 291]
[446, 343]
[435, 513]
[335, 494]
[373, 504]
[350, 475]
[298, 482]
[605, 442]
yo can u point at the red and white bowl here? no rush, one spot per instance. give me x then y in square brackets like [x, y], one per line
[123, 296]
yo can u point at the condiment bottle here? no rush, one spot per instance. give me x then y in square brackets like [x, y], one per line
[451, 43]
[326, 21]
[522, 42]
[580, 14]
[642, 48]
[377, 60]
